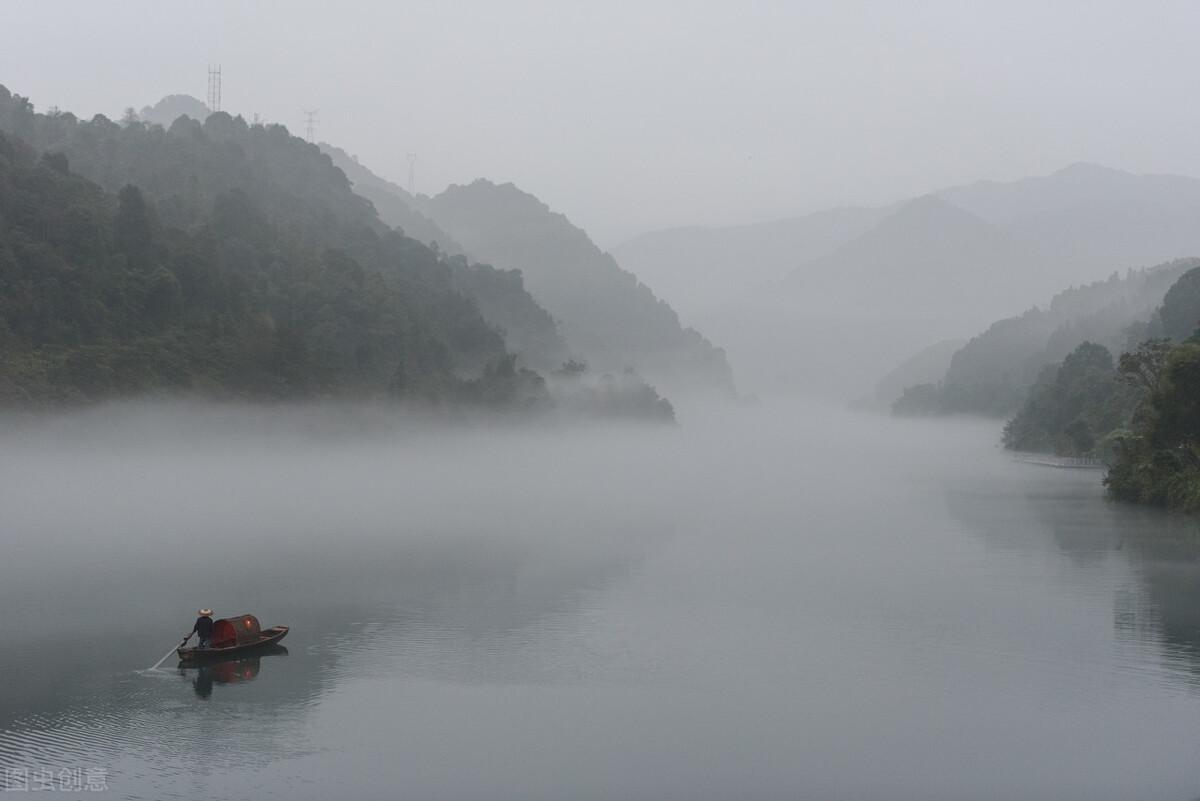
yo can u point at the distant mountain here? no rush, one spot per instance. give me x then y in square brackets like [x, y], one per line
[171, 108]
[1075, 186]
[926, 271]
[501, 294]
[1086, 220]
[927, 366]
[935, 258]
[700, 268]
[884, 283]
[607, 316]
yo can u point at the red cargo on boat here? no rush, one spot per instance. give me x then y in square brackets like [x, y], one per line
[234, 634]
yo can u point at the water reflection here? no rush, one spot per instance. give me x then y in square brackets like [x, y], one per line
[450, 612]
[1147, 558]
[232, 670]
[1166, 561]
[1015, 506]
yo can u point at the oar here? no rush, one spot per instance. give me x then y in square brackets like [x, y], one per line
[173, 650]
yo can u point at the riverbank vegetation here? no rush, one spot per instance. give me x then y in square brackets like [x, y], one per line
[1158, 462]
[994, 372]
[1139, 413]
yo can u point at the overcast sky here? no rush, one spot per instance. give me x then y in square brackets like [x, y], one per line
[634, 115]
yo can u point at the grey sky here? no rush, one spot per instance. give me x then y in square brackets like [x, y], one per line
[636, 115]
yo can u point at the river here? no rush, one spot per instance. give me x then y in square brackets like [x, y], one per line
[777, 601]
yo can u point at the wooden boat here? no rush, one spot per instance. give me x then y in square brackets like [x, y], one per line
[234, 635]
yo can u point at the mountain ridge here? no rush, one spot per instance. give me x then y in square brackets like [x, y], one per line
[221, 257]
[909, 279]
[606, 314]
[501, 292]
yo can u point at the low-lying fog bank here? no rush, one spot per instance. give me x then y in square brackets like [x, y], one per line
[763, 601]
[185, 480]
[309, 514]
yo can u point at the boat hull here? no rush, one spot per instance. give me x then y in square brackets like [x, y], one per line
[269, 637]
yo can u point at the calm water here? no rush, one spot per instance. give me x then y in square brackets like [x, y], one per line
[780, 602]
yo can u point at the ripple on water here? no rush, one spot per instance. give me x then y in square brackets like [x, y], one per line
[149, 733]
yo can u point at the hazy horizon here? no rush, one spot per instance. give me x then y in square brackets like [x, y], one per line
[712, 114]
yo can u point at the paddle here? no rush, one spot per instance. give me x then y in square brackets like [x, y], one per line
[168, 653]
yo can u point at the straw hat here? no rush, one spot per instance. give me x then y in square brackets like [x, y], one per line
[205, 613]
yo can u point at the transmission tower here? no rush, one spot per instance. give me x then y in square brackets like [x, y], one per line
[214, 88]
[310, 122]
[412, 174]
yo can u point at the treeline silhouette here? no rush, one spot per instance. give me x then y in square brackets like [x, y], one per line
[231, 260]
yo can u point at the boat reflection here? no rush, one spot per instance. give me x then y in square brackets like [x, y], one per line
[233, 670]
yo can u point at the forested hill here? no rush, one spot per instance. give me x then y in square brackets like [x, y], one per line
[993, 372]
[395, 205]
[606, 315]
[171, 108]
[220, 258]
[183, 168]
[1139, 412]
[926, 366]
[500, 293]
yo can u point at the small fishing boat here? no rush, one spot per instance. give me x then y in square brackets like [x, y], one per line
[233, 635]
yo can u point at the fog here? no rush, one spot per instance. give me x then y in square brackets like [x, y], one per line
[182, 483]
[667, 113]
[751, 603]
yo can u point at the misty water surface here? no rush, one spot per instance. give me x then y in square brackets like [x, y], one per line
[772, 602]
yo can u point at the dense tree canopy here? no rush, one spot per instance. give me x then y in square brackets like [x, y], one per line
[1159, 462]
[1142, 415]
[229, 259]
[99, 298]
[1073, 406]
[1180, 312]
[224, 258]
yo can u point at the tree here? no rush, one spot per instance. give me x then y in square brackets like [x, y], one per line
[1143, 367]
[132, 228]
[1160, 462]
[1177, 403]
[1180, 311]
[1074, 406]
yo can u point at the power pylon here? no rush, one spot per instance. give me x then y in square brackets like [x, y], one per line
[214, 88]
[412, 174]
[310, 122]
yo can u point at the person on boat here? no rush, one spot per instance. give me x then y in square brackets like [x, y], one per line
[203, 628]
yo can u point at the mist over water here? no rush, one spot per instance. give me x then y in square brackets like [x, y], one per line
[777, 600]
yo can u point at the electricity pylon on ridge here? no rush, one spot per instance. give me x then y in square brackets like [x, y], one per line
[214, 88]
